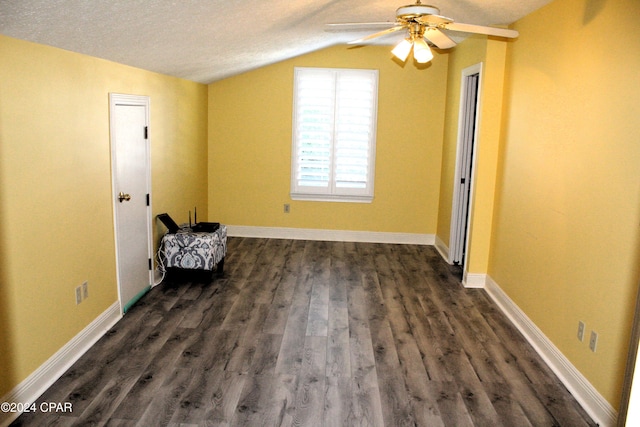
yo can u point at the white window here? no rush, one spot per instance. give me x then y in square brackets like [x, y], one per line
[334, 134]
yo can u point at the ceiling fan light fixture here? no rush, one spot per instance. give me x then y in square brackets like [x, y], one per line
[402, 50]
[421, 52]
[425, 26]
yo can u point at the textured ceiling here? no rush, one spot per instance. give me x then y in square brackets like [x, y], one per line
[208, 40]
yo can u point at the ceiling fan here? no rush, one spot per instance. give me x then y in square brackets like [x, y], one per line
[424, 24]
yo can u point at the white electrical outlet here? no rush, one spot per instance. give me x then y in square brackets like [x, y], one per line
[85, 290]
[581, 330]
[78, 295]
[593, 341]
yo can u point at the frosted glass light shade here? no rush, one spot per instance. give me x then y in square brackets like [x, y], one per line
[402, 50]
[421, 51]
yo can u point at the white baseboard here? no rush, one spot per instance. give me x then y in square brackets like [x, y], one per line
[442, 249]
[42, 378]
[330, 235]
[474, 280]
[596, 406]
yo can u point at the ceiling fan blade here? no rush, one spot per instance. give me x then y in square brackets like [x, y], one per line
[433, 20]
[479, 29]
[378, 34]
[438, 38]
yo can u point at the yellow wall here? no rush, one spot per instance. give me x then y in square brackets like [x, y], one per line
[56, 222]
[250, 147]
[491, 53]
[486, 163]
[566, 241]
[556, 211]
[471, 52]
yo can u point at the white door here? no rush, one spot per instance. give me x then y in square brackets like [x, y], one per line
[130, 162]
[467, 131]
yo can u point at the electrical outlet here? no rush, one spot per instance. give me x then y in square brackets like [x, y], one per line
[78, 295]
[593, 341]
[581, 330]
[85, 290]
[287, 208]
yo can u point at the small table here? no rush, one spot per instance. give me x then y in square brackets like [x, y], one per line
[195, 250]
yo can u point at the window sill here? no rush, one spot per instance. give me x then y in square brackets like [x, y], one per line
[331, 198]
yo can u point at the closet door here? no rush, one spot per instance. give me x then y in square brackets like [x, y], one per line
[131, 196]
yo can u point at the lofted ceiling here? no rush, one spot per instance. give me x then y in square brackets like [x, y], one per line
[208, 40]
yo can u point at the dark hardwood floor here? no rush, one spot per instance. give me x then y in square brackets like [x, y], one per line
[316, 334]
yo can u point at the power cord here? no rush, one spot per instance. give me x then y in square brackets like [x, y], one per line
[161, 267]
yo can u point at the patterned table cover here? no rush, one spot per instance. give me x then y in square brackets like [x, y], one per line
[194, 250]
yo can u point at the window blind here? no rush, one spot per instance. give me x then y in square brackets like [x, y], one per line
[334, 133]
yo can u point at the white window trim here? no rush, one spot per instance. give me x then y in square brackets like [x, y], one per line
[331, 193]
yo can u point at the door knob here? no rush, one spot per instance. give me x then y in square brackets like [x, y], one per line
[123, 197]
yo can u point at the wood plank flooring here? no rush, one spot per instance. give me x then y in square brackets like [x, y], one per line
[306, 333]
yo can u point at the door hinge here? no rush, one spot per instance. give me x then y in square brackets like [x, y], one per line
[148, 203]
[150, 264]
[146, 132]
